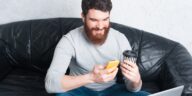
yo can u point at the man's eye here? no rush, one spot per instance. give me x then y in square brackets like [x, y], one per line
[105, 20]
[93, 20]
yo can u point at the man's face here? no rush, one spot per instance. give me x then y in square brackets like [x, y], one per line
[96, 24]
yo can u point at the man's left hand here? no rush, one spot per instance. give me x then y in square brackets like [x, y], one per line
[131, 72]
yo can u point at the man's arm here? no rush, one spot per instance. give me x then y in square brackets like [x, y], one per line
[98, 75]
[72, 82]
[63, 53]
[131, 73]
[57, 82]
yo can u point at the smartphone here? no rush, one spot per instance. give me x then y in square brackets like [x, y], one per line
[111, 64]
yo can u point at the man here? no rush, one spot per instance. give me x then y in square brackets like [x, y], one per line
[86, 51]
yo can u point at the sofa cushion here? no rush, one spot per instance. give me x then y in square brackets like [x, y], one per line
[23, 83]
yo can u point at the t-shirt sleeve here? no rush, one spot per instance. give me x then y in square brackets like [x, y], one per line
[64, 51]
[124, 45]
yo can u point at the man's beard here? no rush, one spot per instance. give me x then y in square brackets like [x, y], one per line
[98, 38]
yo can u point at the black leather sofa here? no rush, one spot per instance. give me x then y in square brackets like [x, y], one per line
[27, 47]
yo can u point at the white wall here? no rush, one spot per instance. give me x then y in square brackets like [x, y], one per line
[168, 18]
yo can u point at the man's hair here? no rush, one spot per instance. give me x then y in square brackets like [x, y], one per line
[102, 5]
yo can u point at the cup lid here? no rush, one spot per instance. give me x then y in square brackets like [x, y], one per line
[130, 53]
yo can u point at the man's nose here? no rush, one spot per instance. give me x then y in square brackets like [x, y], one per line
[100, 25]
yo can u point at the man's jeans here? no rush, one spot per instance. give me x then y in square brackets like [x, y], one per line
[115, 90]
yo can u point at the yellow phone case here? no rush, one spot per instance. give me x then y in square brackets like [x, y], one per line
[112, 64]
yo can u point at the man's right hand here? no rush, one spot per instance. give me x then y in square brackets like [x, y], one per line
[98, 75]
[101, 75]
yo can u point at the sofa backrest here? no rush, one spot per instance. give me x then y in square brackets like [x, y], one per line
[31, 43]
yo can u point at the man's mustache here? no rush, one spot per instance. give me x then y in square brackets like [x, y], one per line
[99, 29]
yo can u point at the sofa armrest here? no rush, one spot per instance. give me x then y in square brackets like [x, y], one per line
[5, 67]
[177, 70]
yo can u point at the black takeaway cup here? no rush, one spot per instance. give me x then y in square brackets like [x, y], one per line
[130, 55]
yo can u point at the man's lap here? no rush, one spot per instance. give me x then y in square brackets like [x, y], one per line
[115, 90]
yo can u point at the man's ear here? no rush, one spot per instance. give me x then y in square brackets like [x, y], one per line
[82, 17]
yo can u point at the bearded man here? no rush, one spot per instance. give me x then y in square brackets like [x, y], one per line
[86, 51]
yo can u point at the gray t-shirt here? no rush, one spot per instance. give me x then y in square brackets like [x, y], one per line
[75, 51]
